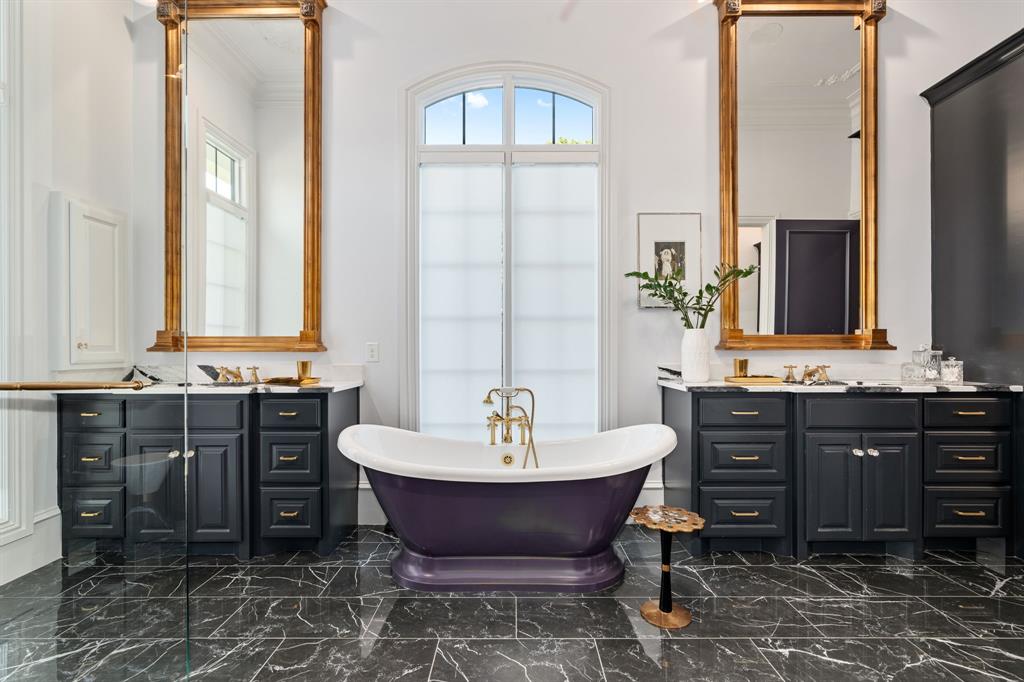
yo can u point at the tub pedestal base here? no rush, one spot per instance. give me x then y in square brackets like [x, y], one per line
[488, 573]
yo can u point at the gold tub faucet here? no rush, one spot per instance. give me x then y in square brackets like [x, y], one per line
[508, 420]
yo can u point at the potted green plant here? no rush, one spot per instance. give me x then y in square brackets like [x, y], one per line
[694, 310]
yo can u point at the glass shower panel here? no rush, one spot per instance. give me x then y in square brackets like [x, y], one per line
[93, 502]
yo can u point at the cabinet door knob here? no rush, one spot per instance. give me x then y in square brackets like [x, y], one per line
[751, 513]
[189, 454]
[873, 452]
[173, 453]
[857, 452]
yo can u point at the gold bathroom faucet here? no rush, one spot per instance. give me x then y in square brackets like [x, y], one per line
[508, 421]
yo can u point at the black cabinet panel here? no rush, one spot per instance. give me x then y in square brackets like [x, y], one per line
[287, 457]
[967, 457]
[94, 512]
[203, 413]
[215, 488]
[290, 512]
[892, 486]
[92, 458]
[744, 512]
[93, 413]
[956, 511]
[743, 455]
[156, 487]
[967, 413]
[874, 413]
[730, 411]
[289, 413]
[833, 486]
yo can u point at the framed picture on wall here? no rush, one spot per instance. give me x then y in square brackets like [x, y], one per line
[667, 242]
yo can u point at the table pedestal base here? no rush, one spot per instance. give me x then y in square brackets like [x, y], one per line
[678, 617]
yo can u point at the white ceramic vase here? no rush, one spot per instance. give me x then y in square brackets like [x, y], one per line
[695, 362]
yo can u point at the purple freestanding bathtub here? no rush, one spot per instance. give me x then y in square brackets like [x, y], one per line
[471, 519]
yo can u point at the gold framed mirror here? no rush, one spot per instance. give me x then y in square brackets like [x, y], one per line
[798, 110]
[254, 108]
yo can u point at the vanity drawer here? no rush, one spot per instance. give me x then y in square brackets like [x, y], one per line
[731, 411]
[281, 413]
[867, 413]
[967, 457]
[743, 455]
[743, 512]
[967, 413]
[228, 415]
[92, 414]
[290, 512]
[966, 511]
[90, 458]
[96, 512]
[289, 457]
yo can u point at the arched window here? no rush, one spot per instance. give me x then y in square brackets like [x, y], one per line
[508, 187]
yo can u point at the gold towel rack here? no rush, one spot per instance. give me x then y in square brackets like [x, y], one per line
[69, 385]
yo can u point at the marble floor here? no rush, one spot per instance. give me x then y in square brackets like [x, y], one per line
[297, 616]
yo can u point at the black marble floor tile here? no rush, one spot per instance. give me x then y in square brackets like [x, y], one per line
[971, 660]
[349, 554]
[131, 618]
[744, 617]
[648, 551]
[417, 618]
[757, 581]
[890, 581]
[516, 660]
[273, 559]
[879, 617]
[366, 581]
[151, 581]
[710, 660]
[583, 618]
[51, 580]
[229, 660]
[42, 617]
[851, 659]
[1002, 581]
[85, 553]
[266, 581]
[93, 659]
[310, 617]
[370, 534]
[206, 614]
[389, 660]
[983, 616]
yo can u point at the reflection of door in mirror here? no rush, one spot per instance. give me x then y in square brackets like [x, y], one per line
[799, 163]
[245, 176]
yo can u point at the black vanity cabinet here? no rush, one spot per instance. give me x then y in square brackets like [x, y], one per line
[850, 471]
[249, 458]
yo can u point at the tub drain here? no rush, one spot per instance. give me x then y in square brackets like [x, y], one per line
[508, 460]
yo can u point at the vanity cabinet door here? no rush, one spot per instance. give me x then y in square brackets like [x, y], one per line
[155, 474]
[215, 488]
[892, 486]
[833, 480]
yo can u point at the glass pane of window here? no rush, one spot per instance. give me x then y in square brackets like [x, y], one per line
[225, 176]
[225, 273]
[574, 121]
[461, 232]
[554, 293]
[211, 167]
[483, 116]
[442, 122]
[534, 116]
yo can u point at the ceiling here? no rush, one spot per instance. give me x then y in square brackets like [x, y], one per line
[790, 62]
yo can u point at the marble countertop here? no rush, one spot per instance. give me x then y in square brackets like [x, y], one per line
[226, 389]
[851, 387]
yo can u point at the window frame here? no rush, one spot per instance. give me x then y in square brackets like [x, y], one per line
[510, 76]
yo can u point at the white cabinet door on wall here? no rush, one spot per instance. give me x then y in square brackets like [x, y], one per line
[88, 300]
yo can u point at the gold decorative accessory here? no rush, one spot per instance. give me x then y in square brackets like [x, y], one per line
[739, 367]
[790, 378]
[754, 380]
[667, 520]
[304, 369]
[71, 386]
[524, 421]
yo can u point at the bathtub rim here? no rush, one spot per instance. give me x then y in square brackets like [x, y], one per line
[659, 448]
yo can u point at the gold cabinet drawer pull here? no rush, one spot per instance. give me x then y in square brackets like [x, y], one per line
[288, 458]
[960, 512]
[89, 515]
[971, 458]
[287, 414]
[970, 413]
[745, 413]
[90, 459]
[89, 414]
[746, 458]
[288, 514]
[753, 513]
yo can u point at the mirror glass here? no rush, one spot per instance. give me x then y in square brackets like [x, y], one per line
[799, 174]
[244, 184]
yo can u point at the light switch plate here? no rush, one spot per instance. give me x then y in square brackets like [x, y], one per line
[372, 351]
